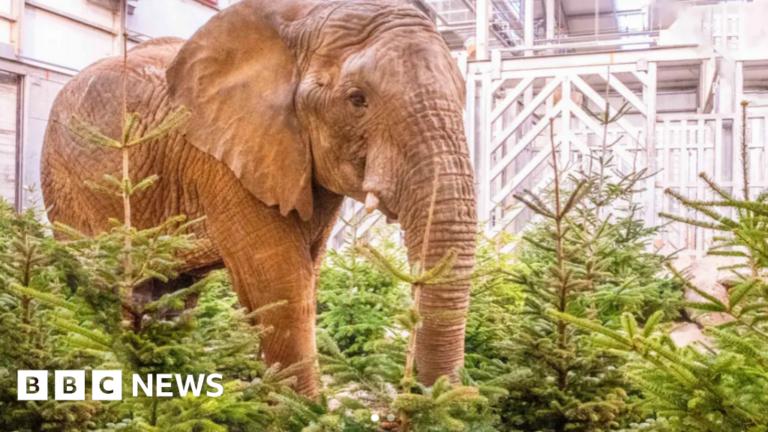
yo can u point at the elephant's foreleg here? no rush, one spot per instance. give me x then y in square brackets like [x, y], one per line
[270, 262]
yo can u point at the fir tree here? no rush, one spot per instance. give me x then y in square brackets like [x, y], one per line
[586, 257]
[356, 301]
[719, 384]
[444, 406]
[494, 299]
[33, 268]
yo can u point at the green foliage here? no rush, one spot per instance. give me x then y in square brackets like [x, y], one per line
[47, 324]
[111, 318]
[586, 256]
[355, 300]
[494, 302]
[719, 384]
[443, 407]
[376, 373]
[33, 272]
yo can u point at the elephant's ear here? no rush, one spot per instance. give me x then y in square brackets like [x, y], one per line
[238, 78]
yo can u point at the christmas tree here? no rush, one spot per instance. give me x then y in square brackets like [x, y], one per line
[586, 256]
[718, 384]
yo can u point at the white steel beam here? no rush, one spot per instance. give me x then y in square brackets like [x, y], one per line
[641, 76]
[600, 102]
[579, 144]
[671, 53]
[565, 133]
[511, 97]
[565, 44]
[545, 182]
[17, 24]
[527, 139]
[650, 146]
[470, 117]
[738, 97]
[550, 21]
[483, 153]
[597, 130]
[525, 172]
[624, 92]
[529, 109]
[583, 70]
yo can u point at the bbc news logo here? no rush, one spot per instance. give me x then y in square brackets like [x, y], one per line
[107, 385]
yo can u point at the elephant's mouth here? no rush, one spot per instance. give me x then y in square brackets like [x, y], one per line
[391, 216]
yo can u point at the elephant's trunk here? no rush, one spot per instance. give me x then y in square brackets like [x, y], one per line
[440, 339]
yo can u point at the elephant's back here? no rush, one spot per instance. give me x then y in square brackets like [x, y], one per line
[95, 95]
[95, 98]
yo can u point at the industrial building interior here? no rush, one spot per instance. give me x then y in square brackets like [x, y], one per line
[680, 68]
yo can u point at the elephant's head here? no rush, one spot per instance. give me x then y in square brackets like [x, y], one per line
[361, 97]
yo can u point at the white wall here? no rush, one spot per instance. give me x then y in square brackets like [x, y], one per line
[5, 31]
[57, 40]
[41, 93]
[180, 18]
[84, 10]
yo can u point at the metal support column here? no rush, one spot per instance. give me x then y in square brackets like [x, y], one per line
[565, 131]
[738, 97]
[483, 153]
[550, 21]
[528, 17]
[483, 17]
[650, 144]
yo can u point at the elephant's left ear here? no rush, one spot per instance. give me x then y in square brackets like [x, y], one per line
[238, 78]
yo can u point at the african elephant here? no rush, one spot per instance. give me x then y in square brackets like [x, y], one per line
[295, 105]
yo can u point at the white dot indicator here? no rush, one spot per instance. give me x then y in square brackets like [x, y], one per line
[374, 417]
[391, 417]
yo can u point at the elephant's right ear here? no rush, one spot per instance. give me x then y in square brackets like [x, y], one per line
[238, 78]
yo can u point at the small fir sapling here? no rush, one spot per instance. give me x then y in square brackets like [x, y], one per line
[494, 299]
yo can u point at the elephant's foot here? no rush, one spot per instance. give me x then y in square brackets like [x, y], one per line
[290, 342]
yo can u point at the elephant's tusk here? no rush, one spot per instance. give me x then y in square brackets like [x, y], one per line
[371, 202]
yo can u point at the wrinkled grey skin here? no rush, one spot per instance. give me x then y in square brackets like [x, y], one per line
[295, 105]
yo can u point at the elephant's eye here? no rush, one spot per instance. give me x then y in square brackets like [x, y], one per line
[358, 99]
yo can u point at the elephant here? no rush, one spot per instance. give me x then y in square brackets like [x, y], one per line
[295, 104]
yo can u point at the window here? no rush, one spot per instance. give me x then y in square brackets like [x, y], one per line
[9, 127]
